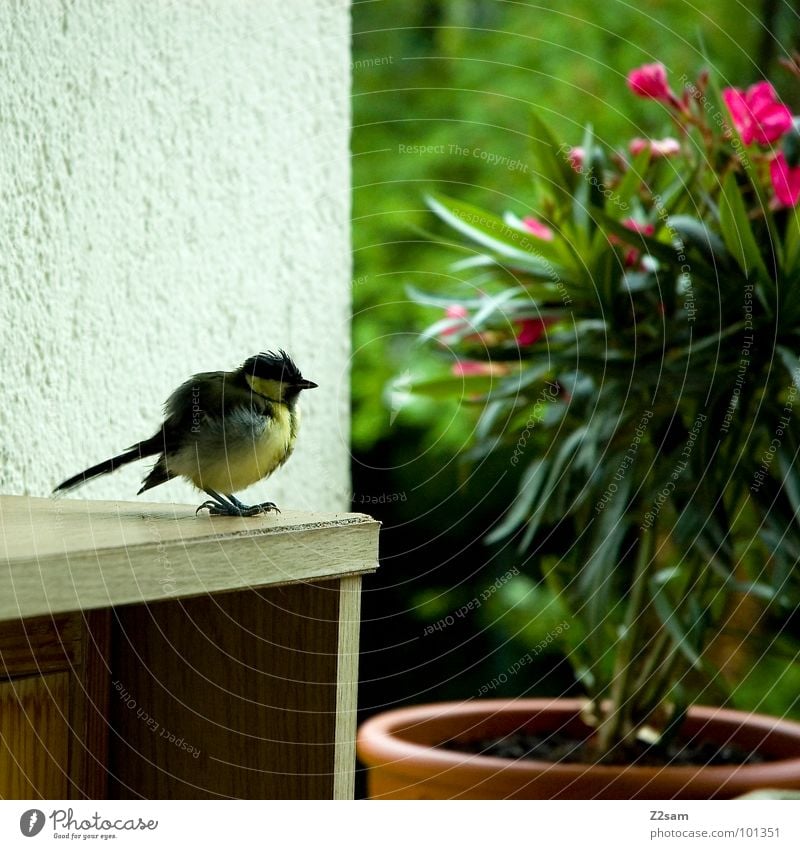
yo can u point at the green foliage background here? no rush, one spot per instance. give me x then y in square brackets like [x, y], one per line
[464, 75]
[437, 86]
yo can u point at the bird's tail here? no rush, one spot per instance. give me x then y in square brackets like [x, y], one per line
[135, 452]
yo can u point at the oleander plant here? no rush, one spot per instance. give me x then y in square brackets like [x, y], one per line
[628, 338]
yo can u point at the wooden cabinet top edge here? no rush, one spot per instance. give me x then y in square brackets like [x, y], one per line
[107, 554]
[36, 529]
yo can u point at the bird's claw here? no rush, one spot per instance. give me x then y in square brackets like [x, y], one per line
[243, 510]
[215, 509]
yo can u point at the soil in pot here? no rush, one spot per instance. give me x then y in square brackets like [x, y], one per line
[561, 748]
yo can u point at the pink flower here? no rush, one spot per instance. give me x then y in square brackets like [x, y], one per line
[665, 147]
[538, 228]
[632, 255]
[459, 314]
[785, 181]
[531, 330]
[650, 81]
[647, 229]
[757, 113]
[576, 156]
[658, 147]
[472, 368]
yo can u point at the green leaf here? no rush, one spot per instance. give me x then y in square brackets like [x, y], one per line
[551, 156]
[568, 448]
[490, 416]
[529, 487]
[488, 307]
[633, 178]
[712, 340]
[792, 363]
[596, 576]
[492, 232]
[696, 234]
[444, 325]
[659, 250]
[492, 304]
[638, 281]
[737, 232]
[580, 200]
[756, 589]
[789, 482]
[791, 243]
[453, 387]
[784, 566]
[479, 261]
[678, 190]
[670, 619]
[442, 301]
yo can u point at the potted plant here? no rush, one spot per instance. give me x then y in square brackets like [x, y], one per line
[632, 346]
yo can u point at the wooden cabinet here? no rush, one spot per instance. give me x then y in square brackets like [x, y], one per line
[34, 736]
[146, 652]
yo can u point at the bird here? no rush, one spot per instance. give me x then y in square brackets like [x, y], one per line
[222, 431]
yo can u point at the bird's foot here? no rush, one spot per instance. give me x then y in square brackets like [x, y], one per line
[264, 507]
[255, 509]
[233, 507]
[216, 508]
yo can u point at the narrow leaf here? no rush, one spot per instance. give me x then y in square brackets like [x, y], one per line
[634, 176]
[491, 231]
[529, 487]
[737, 232]
[671, 621]
[659, 250]
[562, 458]
[551, 156]
[792, 363]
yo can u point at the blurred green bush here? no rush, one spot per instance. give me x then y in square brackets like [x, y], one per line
[442, 94]
[443, 91]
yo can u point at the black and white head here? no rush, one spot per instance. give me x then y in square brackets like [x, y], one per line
[275, 376]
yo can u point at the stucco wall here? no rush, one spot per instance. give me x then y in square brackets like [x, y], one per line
[175, 198]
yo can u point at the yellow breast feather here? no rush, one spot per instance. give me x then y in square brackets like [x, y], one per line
[250, 448]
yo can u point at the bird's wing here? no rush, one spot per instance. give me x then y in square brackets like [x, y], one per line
[202, 401]
[194, 400]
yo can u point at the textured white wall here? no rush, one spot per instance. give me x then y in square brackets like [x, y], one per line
[174, 187]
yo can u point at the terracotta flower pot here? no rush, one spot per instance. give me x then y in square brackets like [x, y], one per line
[399, 749]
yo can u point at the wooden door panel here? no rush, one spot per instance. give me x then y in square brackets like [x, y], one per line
[34, 737]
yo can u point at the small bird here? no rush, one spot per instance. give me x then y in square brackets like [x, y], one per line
[222, 431]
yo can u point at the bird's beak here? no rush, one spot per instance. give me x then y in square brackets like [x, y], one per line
[306, 384]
